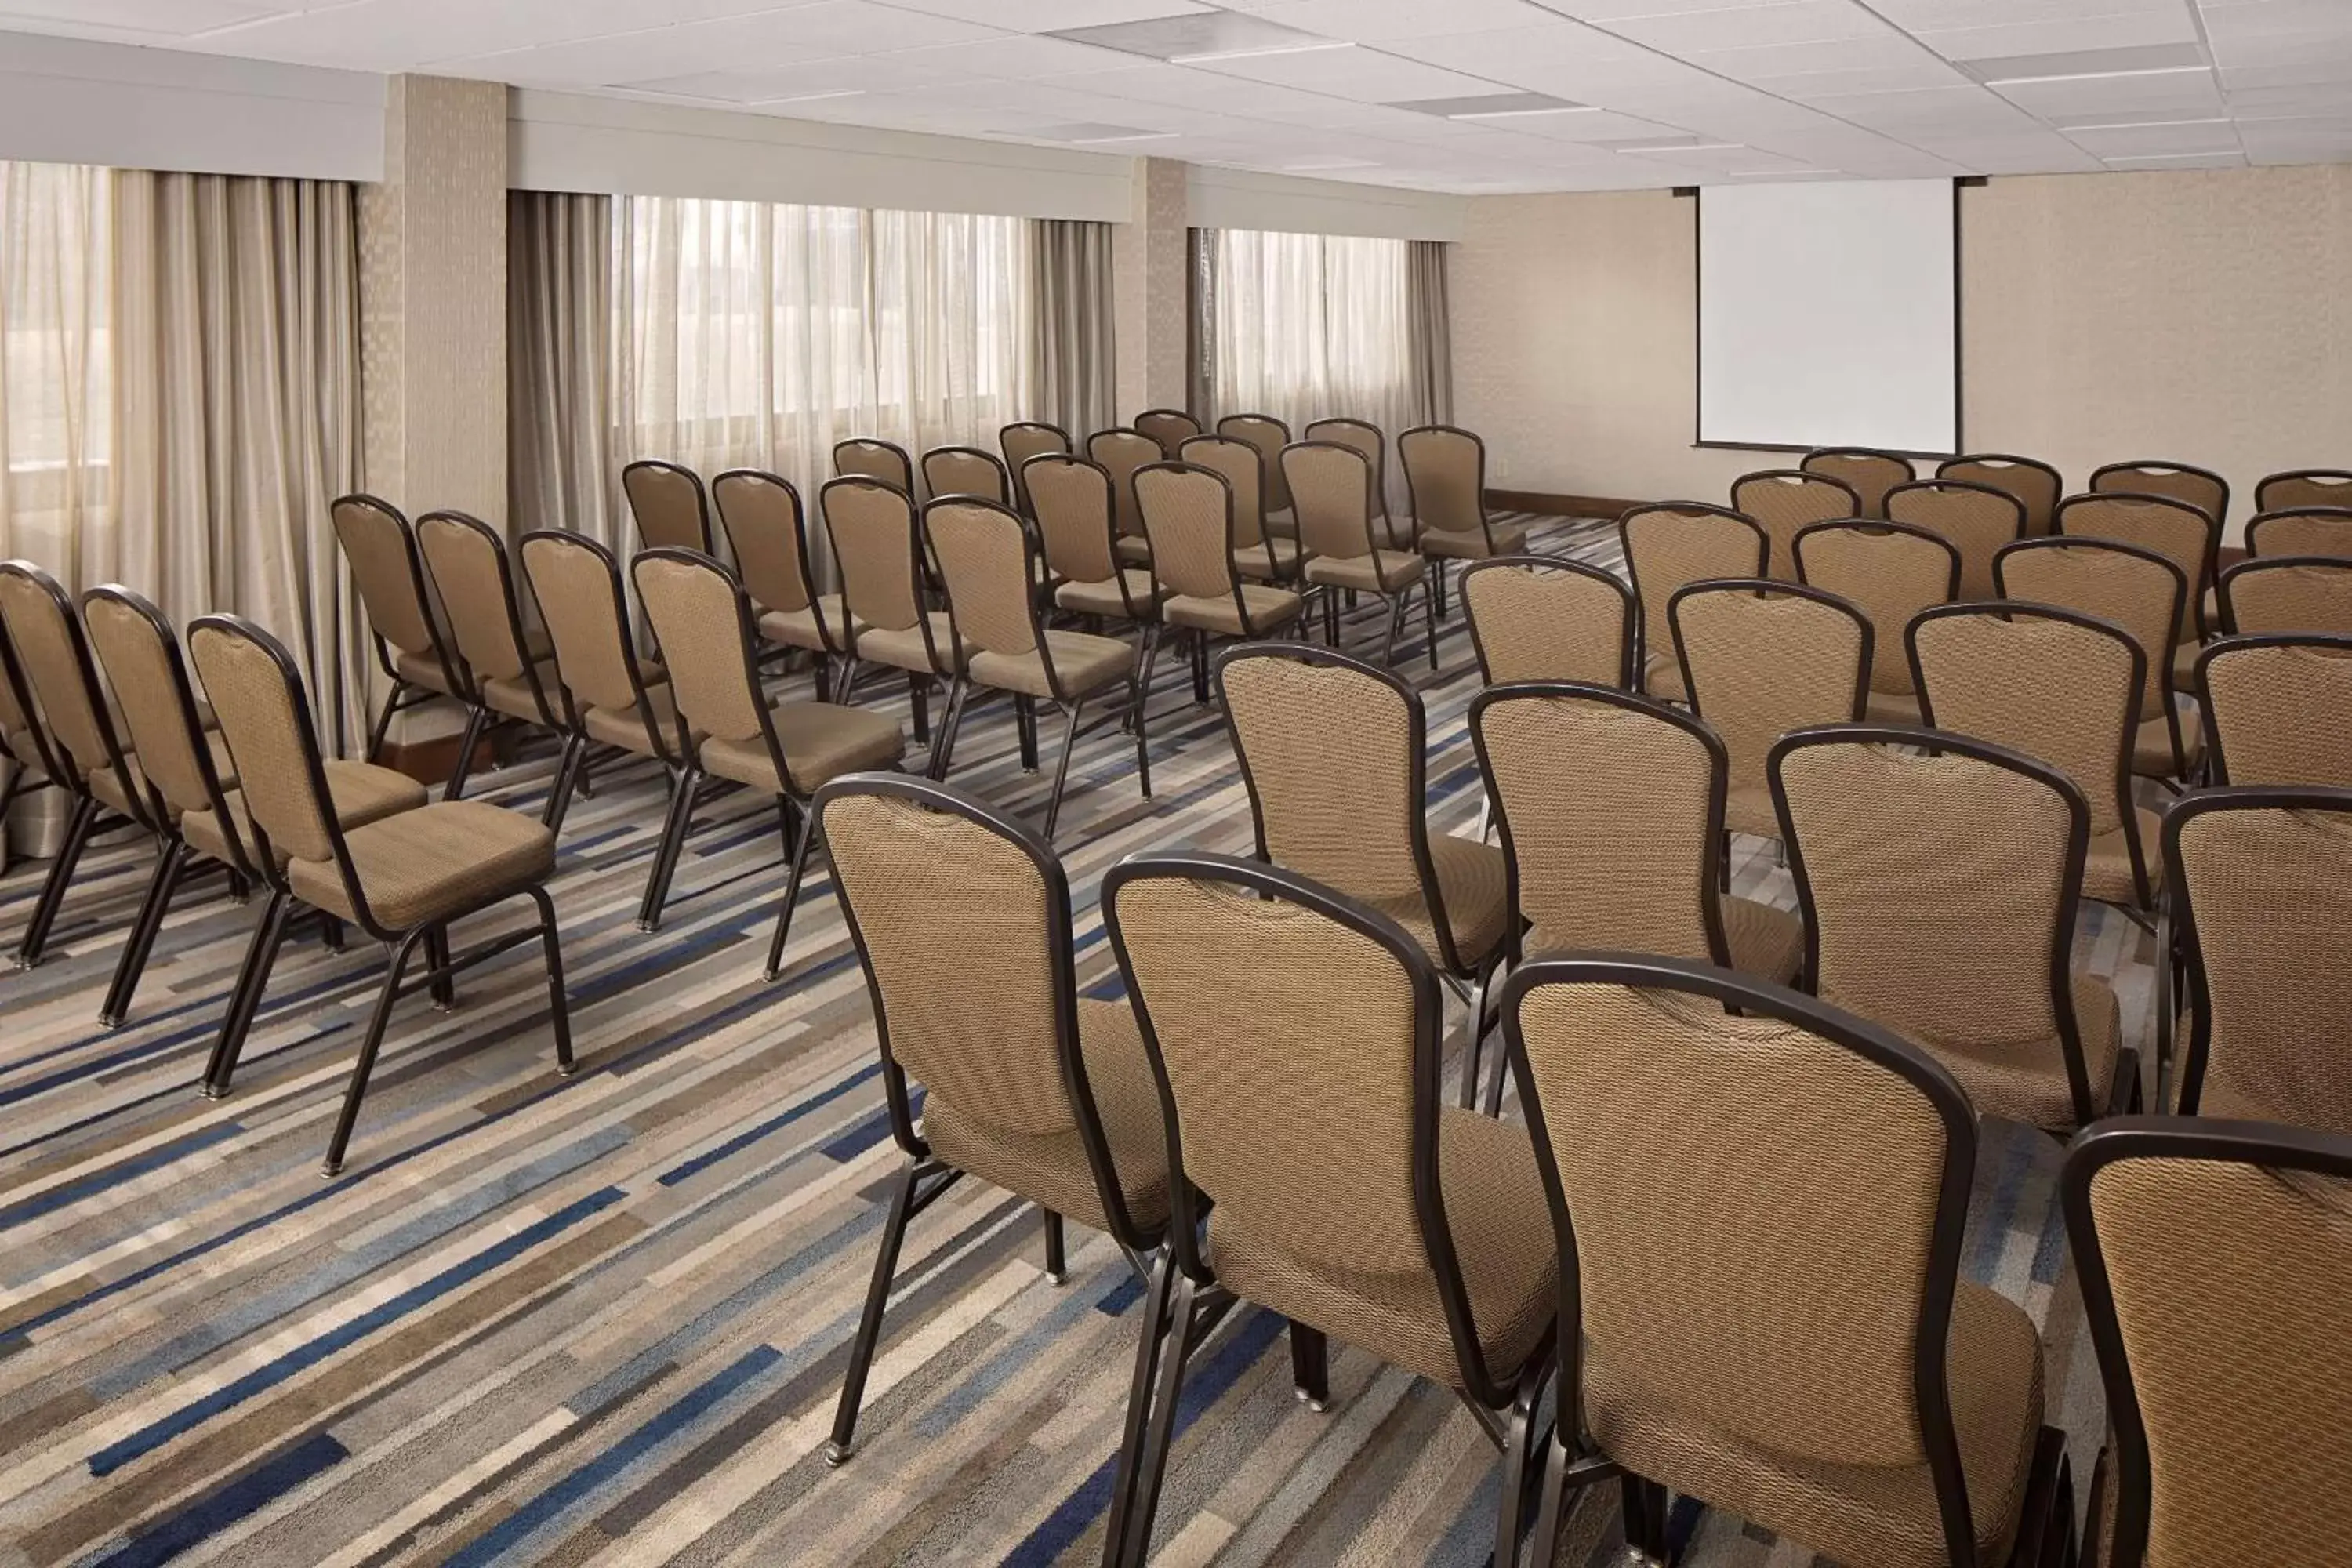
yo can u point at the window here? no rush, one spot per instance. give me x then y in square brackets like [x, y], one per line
[56, 308]
[1308, 326]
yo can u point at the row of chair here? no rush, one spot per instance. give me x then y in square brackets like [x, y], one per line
[1262, 1120]
[1869, 474]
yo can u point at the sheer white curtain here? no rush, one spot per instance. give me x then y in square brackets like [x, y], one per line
[57, 306]
[1309, 326]
[751, 333]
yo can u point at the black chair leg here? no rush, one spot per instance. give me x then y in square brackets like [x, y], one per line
[1150, 1346]
[1057, 1263]
[567, 772]
[870, 1323]
[1519, 1439]
[443, 984]
[477, 721]
[1025, 729]
[1200, 666]
[1137, 689]
[169, 863]
[1070, 715]
[665, 853]
[951, 721]
[1151, 1464]
[1311, 1365]
[53, 891]
[383, 721]
[245, 1000]
[330, 933]
[344, 1122]
[559, 1006]
[792, 896]
[1429, 611]
[918, 697]
[1396, 625]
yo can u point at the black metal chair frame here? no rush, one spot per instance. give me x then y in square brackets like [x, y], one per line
[1804, 465]
[919, 565]
[481, 719]
[701, 498]
[2159, 662]
[2255, 527]
[1400, 599]
[2342, 476]
[1477, 490]
[2216, 762]
[1198, 642]
[2254, 566]
[2057, 480]
[835, 639]
[1644, 652]
[2209, 573]
[906, 462]
[1004, 496]
[405, 695]
[1166, 413]
[1629, 615]
[1020, 488]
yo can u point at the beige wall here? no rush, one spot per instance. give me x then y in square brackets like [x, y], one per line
[2202, 316]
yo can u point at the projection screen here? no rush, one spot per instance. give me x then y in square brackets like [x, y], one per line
[1829, 315]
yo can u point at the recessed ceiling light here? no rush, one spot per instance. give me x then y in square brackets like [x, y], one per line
[1128, 136]
[2070, 125]
[813, 97]
[1689, 147]
[2097, 76]
[1215, 55]
[1527, 114]
[1491, 105]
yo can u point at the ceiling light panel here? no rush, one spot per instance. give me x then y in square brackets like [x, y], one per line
[1364, 75]
[1194, 35]
[1053, 16]
[2180, 94]
[1688, 33]
[1490, 103]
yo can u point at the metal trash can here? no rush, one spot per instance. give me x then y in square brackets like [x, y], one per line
[36, 826]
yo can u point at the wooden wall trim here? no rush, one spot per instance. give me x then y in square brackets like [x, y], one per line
[1547, 504]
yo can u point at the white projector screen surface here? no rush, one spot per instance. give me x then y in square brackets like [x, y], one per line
[1828, 315]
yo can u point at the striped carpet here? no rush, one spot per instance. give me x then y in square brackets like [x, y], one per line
[603, 1320]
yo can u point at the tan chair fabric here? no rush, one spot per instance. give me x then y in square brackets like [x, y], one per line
[2230, 1282]
[18, 739]
[1531, 621]
[1786, 501]
[966, 471]
[872, 527]
[1329, 482]
[2036, 486]
[579, 592]
[1791, 1189]
[768, 532]
[156, 705]
[1871, 474]
[1188, 514]
[1269, 436]
[1330, 750]
[1367, 442]
[2130, 591]
[1621, 863]
[358, 794]
[471, 575]
[863, 456]
[53, 657]
[1025, 439]
[1890, 574]
[1314, 1215]
[1445, 471]
[1757, 665]
[377, 543]
[986, 562]
[1071, 498]
[667, 502]
[2303, 487]
[2288, 593]
[2271, 890]
[262, 725]
[1976, 520]
[2207, 492]
[959, 937]
[1668, 547]
[1169, 427]
[2277, 711]
[1257, 553]
[1934, 886]
[2176, 530]
[2309, 531]
[1119, 453]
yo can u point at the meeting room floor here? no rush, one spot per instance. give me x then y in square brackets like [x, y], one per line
[603, 1320]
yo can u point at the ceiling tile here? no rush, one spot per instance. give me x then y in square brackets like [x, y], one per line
[1385, 21]
[1751, 27]
[2187, 94]
[2123, 141]
[164, 18]
[1050, 16]
[1354, 72]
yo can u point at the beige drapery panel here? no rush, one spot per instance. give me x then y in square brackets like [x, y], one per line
[1074, 349]
[55, 377]
[561, 471]
[1429, 319]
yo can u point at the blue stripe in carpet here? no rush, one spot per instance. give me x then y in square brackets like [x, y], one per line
[241, 1498]
[155, 1159]
[687, 1169]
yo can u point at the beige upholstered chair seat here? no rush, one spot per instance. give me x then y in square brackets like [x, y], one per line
[1084, 661]
[422, 866]
[1664, 677]
[1250, 559]
[1473, 878]
[1765, 941]
[1103, 598]
[821, 742]
[422, 669]
[1268, 608]
[625, 727]
[799, 628]
[1747, 809]
[1133, 549]
[1510, 538]
[510, 695]
[107, 785]
[1502, 1232]
[1884, 1516]
[2107, 867]
[2026, 1081]
[1381, 572]
[904, 649]
[2152, 746]
[361, 793]
[1893, 708]
[1051, 1168]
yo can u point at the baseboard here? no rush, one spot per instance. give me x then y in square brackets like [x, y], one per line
[1544, 503]
[432, 760]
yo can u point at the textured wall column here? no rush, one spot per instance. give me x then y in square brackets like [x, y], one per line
[1148, 260]
[433, 299]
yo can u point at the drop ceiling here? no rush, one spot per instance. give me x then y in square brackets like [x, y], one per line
[1468, 96]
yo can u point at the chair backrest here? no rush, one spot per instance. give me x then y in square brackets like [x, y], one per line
[1026, 439]
[1171, 428]
[1889, 571]
[2216, 1261]
[1802, 1177]
[1629, 860]
[256, 690]
[2260, 882]
[1331, 752]
[987, 560]
[1118, 453]
[1787, 501]
[386, 567]
[1545, 617]
[1939, 890]
[1761, 659]
[141, 656]
[2135, 589]
[869, 458]
[966, 471]
[1188, 515]
[668, 503]
[2277, 710]
[1244, 472]
[2179, 531]
[1269, 436]
[2301, 531]
[1071, 500]
[1365, 438]
[21, 736]
[2036, 485]
[1445, 474]
[578, 586]
[2203, 489]
[1871, 472]
[2299, 487]
[2051, 683]
[1329, 497]
[2288, 593]
[467, 561]
[1674, 543]
[1977, 519]
[53, 655]
[768, 532]
[961, 920]
[871, 526]
[702, 619]
[1293, 1036]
